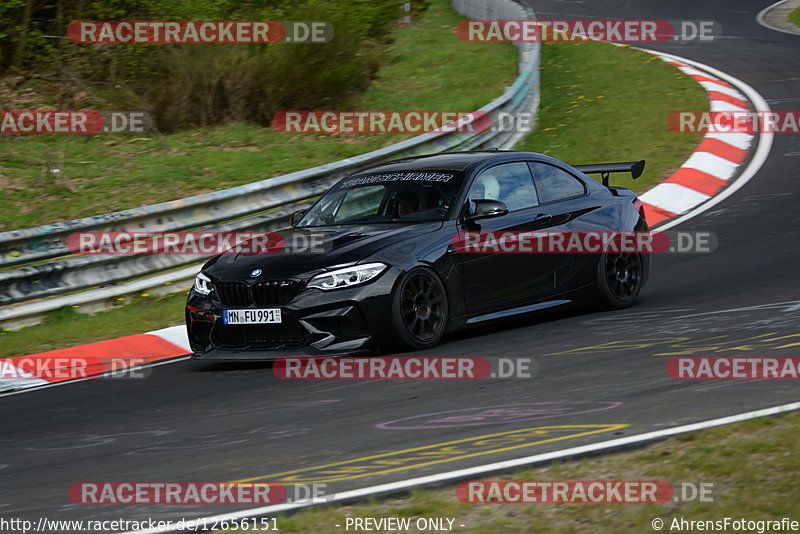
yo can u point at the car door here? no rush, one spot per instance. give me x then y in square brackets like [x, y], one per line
[498, 280]
[566, 205]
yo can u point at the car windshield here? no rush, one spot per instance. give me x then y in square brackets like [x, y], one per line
[395, 197]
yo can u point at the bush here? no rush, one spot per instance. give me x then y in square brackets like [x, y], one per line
[184, 86]
[203, 85]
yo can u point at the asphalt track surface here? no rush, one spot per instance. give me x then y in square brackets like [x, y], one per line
[212, 422]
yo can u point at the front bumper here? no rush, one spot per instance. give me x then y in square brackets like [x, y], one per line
[346, 321]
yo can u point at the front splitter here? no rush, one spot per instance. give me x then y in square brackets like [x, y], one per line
[273, 354]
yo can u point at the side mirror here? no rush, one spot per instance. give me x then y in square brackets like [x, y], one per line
[485, 209]
[296, 216]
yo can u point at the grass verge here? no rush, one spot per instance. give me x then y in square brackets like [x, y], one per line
[105, 173]
[794, 17]
[604, 103]
[753, 466]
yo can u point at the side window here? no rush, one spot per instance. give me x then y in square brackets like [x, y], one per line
[553, 183]
[510, 183]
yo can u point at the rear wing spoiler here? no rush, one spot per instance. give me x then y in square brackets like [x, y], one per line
[605, 169]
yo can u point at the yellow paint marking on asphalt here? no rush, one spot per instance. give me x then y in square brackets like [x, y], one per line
[437, 453]
[695, 346]
[684, 346]
[629, 344]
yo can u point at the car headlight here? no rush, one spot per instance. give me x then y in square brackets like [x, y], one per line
[202, 284]
[349, 276]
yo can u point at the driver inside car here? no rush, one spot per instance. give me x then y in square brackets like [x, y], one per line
[407, 203]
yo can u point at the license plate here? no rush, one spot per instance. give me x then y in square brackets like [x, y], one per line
[262, 316]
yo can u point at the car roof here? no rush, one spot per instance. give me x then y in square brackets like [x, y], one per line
[454, 161]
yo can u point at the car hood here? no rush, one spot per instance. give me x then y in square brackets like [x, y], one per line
[342, 244]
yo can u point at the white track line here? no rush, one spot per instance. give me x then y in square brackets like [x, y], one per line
[486, 468]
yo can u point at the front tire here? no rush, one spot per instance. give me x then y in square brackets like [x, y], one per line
[619, 280]
[419, 310]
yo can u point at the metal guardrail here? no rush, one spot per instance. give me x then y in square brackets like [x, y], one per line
[38, 265]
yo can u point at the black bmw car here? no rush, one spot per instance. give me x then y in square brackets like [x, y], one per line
[391, 277]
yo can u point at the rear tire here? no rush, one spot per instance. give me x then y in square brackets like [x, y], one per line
[419, 310]
[619, 280]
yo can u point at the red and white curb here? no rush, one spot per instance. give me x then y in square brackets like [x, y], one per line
[715, 161]
[93, 360]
